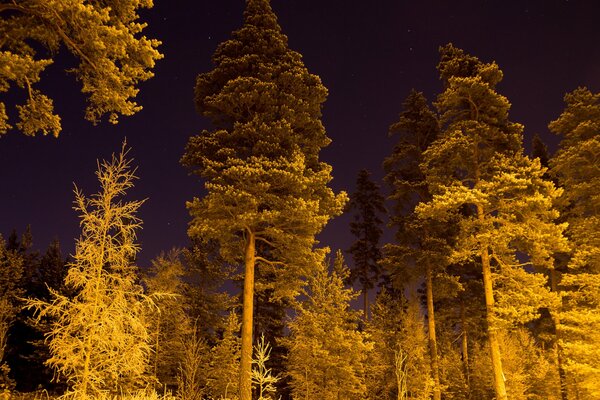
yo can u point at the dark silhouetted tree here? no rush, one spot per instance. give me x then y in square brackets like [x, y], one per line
[367, 204]
[420, 245]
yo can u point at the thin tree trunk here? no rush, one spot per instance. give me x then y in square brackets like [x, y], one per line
[562, 376]
[247, 319]
[366, 302]
[499, 386]
[465, 345]
[435, 370]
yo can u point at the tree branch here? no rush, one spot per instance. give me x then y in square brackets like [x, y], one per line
[271, 263]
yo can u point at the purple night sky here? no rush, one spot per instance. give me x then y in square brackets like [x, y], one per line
[368, 54]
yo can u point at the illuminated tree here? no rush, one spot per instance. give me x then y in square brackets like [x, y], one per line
[477, 164]
[99, 339]
[105, 38]
[399, 362]
[575, 166]
[267, 190]
[367, 203]
[327, 354]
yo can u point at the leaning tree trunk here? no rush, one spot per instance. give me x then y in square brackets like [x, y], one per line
[435, 370]
[245, 385]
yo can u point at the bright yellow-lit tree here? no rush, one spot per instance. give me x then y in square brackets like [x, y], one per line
[267, 192]
[327, 354]
[105, 38]
[576, 167]
[99, 339]
[478, 175]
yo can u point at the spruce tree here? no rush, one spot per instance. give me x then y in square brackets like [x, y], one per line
[169, 327]
[327, 354]
[260, 163]
[478, 164]
[367, 203]
[575, 166]
[419, 245]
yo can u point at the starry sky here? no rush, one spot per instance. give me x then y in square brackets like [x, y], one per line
[368, 54]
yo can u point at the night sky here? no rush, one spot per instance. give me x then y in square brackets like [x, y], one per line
[368, 54]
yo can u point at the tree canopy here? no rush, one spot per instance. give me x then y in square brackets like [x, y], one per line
[105, 38]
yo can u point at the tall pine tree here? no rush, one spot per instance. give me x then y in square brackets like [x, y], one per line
[261, 163]
[575, 166]
[478, 164]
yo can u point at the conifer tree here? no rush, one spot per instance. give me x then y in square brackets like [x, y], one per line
[419, 246]
[224, 365]
[261, 165]
[478, 164]
[575, 166]
[106, 39]
[367, 202]
[169, 327]
[400, 345]
[11, 271]
[99, 340]
[28, 342]
[327, 353]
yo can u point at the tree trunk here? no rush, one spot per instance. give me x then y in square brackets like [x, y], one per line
[562, 376]
[465, 345]
[435, 370]
[366, 302]
[247, 319]
[499, 386]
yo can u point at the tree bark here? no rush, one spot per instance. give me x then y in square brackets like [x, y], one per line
[435, 370]
[465, 345]
[245, 385]
[499, 386]
[366, 302]
[562, 376]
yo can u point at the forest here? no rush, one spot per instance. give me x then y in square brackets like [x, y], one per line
[489, 288]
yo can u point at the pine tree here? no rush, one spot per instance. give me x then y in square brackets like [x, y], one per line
[575, 166]
[478, 164]
[367, 202]
[419, 246]
[261, 165]
[106, 39]
[99, 340]
[327, 353]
